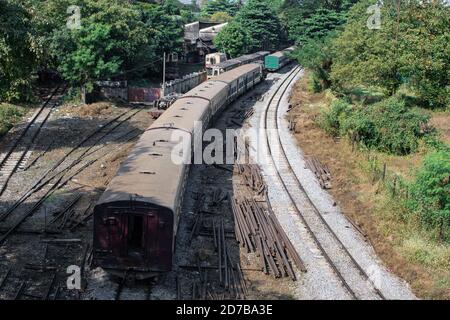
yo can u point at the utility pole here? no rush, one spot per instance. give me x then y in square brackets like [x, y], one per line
[164, 76]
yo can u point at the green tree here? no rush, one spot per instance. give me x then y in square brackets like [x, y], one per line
[263, 25]
[221, 16]
[318, 25]
[17, 57]
[424, 48]
[411, 48]
[213, 6]
[317, 55]
[116, 40]
[233, 40]
[313, 18]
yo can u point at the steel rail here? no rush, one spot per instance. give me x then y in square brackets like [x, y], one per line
[33, 137]
[301, 187]
[44, 180]
[315, 239]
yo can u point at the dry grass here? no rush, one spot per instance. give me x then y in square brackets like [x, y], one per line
[441, 121]
[405, 250]
[95, 110]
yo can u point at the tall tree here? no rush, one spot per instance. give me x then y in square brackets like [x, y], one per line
[17, 57]
[263, 25]
[305, 19]
[116, 38]
[411, 48]
[233, 40]
[255, 27]
[212, 6]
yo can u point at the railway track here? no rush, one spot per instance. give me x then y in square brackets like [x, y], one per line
[17, 155]
[44, 278]
[65, 169]
[129, 292]
[351, 275]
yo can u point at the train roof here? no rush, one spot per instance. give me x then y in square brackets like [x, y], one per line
[182, 114]
[277, 54]
[145, 170]
[149, 173]
[247, 57]
[227, 63]
[231, 75]
[290, 49]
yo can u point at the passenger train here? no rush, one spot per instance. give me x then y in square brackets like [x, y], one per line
[271, 62]
[136, 219]
[217, 69]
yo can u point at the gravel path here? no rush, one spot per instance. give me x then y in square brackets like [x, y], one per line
[320, 282]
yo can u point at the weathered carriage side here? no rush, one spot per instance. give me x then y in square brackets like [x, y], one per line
[136, 219]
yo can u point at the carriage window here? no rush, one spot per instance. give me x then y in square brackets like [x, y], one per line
[135, 232]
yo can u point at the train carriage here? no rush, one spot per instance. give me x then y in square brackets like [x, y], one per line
[217, 69]
[136, 219]
[278, 60]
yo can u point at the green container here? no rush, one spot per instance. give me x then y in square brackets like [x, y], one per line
[272, 62]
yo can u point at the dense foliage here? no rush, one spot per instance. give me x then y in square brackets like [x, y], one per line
[411, 49]
[116, 40]
[387, 126]
[259, 25]
[233, 40]
[316, 54]
[307, 19]
[9, 115]
[17, 55]
[221, 17]
[430, 193]
[211, 7]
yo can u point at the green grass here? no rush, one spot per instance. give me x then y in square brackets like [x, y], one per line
[418, 248]
[9, 116]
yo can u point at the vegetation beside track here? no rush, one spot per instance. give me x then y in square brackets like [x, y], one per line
[399, 200]
[375, 108]
[9, 115]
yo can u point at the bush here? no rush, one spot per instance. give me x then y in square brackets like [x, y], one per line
[316, 55]
[9, 115]
[331, 118]
[430, 193]
[387, 126]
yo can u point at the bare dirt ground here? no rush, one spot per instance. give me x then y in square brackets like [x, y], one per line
[359, 198]
[33, 260]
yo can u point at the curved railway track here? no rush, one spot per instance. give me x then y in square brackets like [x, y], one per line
[20, 151]
[351, 275]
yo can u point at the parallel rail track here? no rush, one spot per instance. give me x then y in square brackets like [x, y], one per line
[56, 178]
[20, 150]
[352, 276]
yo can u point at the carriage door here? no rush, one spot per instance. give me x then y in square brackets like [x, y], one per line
[115, 230]
[135, 236]
[151, 237]
[158, 240]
